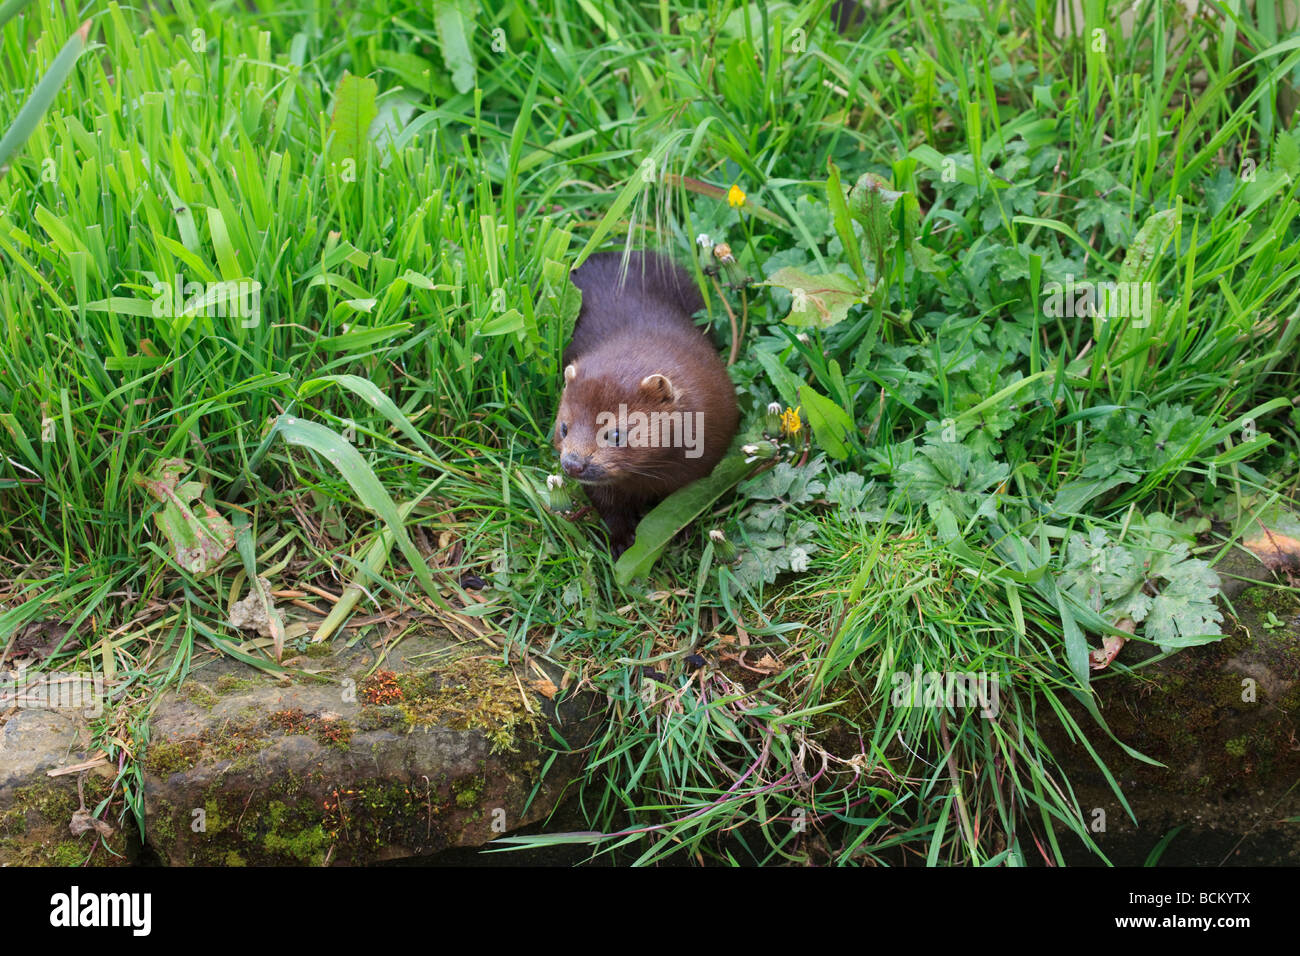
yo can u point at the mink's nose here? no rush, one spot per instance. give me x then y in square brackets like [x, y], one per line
[573, 465]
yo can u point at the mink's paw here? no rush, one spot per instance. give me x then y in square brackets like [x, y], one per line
[618, 545]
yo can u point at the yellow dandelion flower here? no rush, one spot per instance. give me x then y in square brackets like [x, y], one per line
[791, 422]
[735, 197]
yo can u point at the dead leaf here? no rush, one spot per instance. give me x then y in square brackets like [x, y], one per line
[83, 820]
[545, 687]
[1111, 645]
[257, 612]
[198, 542]
[1275, 550]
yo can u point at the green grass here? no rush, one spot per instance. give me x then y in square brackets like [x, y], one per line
[413, 300]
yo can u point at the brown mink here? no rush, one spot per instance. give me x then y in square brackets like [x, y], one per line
[647, 405]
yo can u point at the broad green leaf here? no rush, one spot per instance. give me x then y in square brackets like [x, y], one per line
[418, 280]
[817, 301]
[1150, 241]
[1076, 646]
[354, 111]
[842, 219]
[871, 202]
[832, 426]
[227, 259]
[506, 323]
[783, 380]
[674, 513]
[455, 22]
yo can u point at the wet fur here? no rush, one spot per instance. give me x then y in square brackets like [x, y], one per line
[634, 343]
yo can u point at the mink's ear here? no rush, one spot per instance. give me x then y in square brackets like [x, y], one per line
[658, 388]
[570, 373]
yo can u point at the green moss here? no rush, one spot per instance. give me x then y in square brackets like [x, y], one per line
[213, 822]
[346, 826]
[380, 814]
[228, 684]
[65, 853]
[307, 845]
[1278, 600]
[34, 830]
[199, 694]
[50, 803]
[68, 854]
[468, 792]
[54, 803]
[290, 785]
[321, 649]
[163, 826]
[1236, 746]
[246, 718]
[468, 694]
[13, 823]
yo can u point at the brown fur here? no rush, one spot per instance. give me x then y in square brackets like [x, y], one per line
[635, 345]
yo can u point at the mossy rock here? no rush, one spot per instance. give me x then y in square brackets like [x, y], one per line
[1223, 721]
[435, 746]
[36, 810]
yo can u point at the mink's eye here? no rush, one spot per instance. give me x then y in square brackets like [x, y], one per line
[612, 436]
[564, 429]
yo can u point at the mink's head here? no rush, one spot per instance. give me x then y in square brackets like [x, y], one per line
[613, 429]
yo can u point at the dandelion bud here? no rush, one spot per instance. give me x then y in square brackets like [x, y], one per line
[558, 498]
[772, 423]
[724, 549]
[705, 257]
